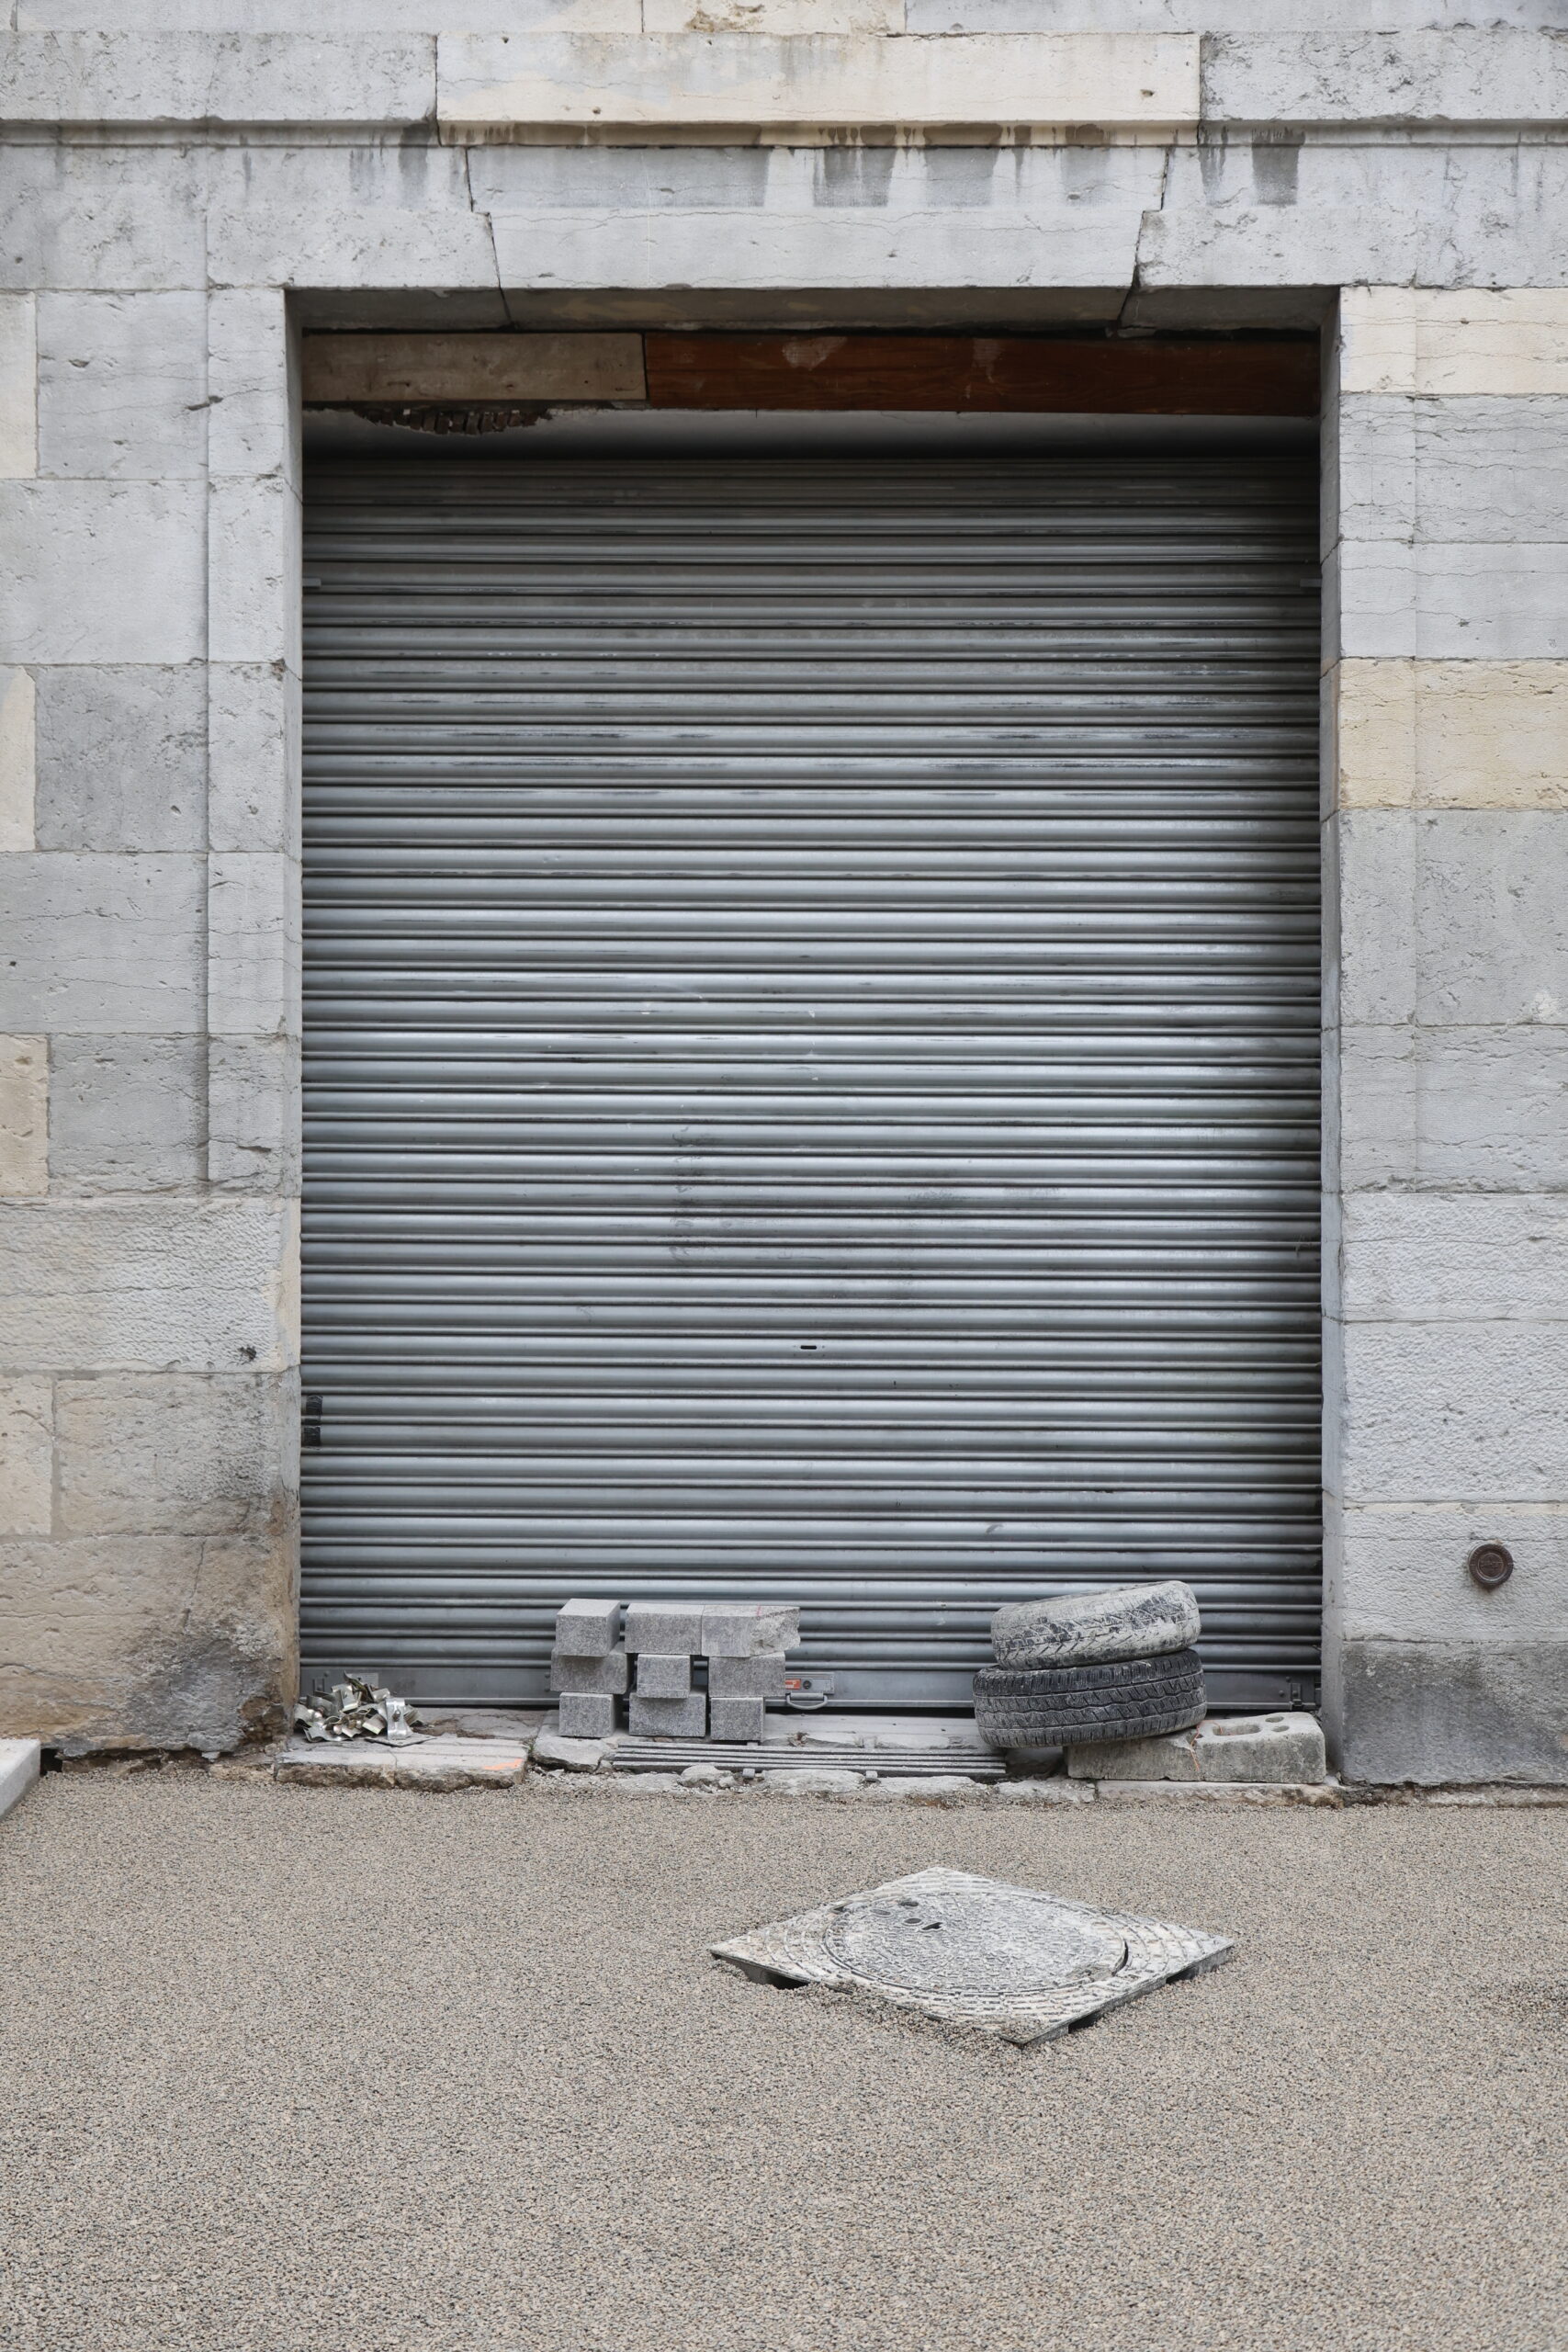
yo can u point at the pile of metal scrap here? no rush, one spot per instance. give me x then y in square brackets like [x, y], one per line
[355, 1710]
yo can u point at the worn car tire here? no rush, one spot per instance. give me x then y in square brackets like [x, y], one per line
[1066, 1706]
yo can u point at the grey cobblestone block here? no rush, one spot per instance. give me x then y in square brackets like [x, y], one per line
[668, 1718]
[587, 1628]
[583, 1676]
[587, 1715]
[658, 1677]
[673, 1628]
[742, 1719]
[747, 1677]
[750, 1629]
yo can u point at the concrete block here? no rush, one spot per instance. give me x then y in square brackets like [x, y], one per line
[121, 758]
[122, 385]
[673, 1628]
[1448, 1412]
[757, 1628]
[127, 1114]
[254, 570]
[659, 1677]
[102, 572]
[18, 387]
[164, 76]
[252, 421]
[1457, 75]
[148, 1641]
[336, 367]
[1436, 1712]
[1471, 342]
[172, 1452]
[1279, 1748]
[254, 752]
[24, 1117]
[668, 1718]
[253, 1113]
[20, 1761]
[585, 1676]
[746, 1678]
[1396, 1571]
[19, 760]
[198, 1286]
[587, 1628]
[735, 1719]
[561, 85]
[587, 1715]
[27, 1455]
[79, 218]
[1431, 1257]
[557, 1754]
[1451, 734]
[254, 944]
[812, 1780]
[1453, 1106]
[102, 943]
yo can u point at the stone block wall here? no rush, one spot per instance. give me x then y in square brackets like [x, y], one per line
[184, 184]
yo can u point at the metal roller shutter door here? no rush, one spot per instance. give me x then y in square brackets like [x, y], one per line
[813, 1067]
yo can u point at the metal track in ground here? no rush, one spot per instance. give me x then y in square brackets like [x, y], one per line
[886, 1763]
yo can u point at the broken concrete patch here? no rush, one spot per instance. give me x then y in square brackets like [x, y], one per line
[558, 1754]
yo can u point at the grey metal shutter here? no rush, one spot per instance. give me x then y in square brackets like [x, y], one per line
[812, 991]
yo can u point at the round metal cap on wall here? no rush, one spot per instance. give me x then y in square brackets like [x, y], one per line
[1490, 1565]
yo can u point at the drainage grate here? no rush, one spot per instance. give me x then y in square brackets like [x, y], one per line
[888, 1763]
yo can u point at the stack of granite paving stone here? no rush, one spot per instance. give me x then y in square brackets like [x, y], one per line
[743, 1643]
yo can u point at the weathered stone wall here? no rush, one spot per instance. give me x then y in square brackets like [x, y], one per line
[179, 182]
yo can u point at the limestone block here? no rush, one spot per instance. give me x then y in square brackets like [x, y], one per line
[24, 1117]
[792, 19]
[19, 760]
[1491, 470]
[347, 216]
[101, 943]
[1448, 1412]
[18, 387]
[1432, 1257]
[102, 572]
[1135, 15]
[78, 217]
[650, 179]
[336, 367]
[585, 1716]
[341, 17]
[1278, 1748]
[1450, 1105]
[1375, 854]
[253, 753]
[1451, 734]
[127, 1114]
[668, 1718]
[1097, 1628]
[254, 570]
[252, 425]
[1452, 600]
[735, 1719]
[587, 1628]
[1398, 1571]
[581, 1676]
[752, 1629]
[148, 1641]
[673, 1628]
[1468, 341]
[121, 757]
[254, 931]
[253, 1113]
[1452, 75]
[147, 1453]
[122, 385]
[192, 77]
[201, 1286]
[488, 88]
[27, 1455]
[746, 1678]
[659, 1677]
[1492, 916]
[1452, 1710]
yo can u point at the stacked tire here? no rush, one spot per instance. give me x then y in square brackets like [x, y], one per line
[1104, 1665]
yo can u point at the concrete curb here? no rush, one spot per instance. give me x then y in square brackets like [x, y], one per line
[20, 1762]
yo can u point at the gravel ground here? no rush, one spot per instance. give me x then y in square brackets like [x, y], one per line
[287, 2068]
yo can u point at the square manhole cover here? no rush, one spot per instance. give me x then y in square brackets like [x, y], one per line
[1008, 1960]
